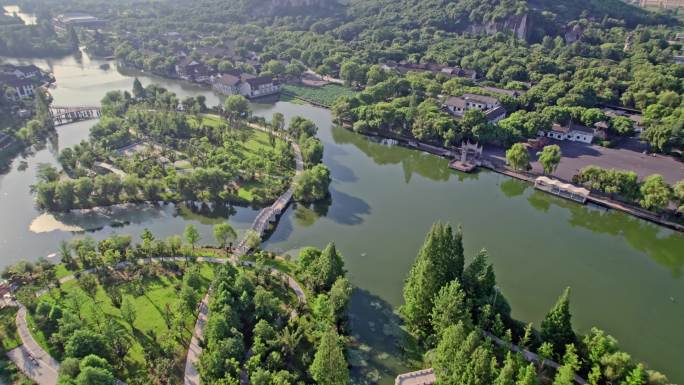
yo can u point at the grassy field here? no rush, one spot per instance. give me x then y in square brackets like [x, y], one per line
[159, 298]
[325, 95]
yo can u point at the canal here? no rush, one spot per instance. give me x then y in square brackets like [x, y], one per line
[625, 274]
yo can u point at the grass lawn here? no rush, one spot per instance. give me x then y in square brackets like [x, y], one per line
[159, 294]
[325, 95]
[256, 141]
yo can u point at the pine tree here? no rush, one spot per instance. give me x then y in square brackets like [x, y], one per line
[138, 90]
[507, 373]
[448, 362]
[327, 268]
[329, 366]
[556, 328]
[527, 376]
[450, 307]
[439, 261]
[419, 291]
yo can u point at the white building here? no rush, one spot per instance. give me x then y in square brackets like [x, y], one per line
[571, 132]
[258, 87]
[458, 105]
[22, 72]
[246, 85]
[23, 87]
[226, 84]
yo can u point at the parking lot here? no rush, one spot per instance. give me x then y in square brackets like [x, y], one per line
[628, 156]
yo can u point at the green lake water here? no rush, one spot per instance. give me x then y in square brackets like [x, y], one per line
[625, 273]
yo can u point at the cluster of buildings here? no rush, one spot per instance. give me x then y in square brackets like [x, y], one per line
[23, 79]
[404, 67]
[78, 20]
[232, 82]
[245, 84]
[572, 131]
[489, 105]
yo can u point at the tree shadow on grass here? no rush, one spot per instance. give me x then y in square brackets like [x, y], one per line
[381, 348]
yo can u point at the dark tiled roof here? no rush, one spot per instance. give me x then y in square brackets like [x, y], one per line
[229, 80]
[514, 93]
[258, 81]
[495, 113]
[481, 98]
[455, 101]
[14, 81]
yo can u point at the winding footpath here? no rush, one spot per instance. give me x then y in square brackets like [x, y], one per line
[42, 368]
[259, 225]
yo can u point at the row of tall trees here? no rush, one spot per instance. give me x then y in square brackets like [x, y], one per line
[459, 312]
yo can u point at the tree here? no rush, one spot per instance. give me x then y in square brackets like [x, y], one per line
[507, 373]
[301, 126]
[549, 158]
[527, 376]
[236, 107]
[85, 342]
[351, 72]
[556, 328]
[128, 312]
[95, 376]
[655, 193]
[278, 121]
[138, 89]
[678, 194]
[450, 307]
[312, 184]
[312, 151]
[88, 283]
[439, 261]
[224, 233]
[329, 366]
[192, 236]
[518, 157]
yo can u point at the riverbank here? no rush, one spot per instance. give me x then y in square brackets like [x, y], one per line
[493, 164]
[383, 199]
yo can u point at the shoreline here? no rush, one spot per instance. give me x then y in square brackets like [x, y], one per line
[593, 197]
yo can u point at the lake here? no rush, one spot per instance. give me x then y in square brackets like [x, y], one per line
[625, 273]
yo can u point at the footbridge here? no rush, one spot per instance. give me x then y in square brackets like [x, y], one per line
[68, 114]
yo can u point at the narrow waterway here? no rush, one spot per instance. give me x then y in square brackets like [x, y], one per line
[625, 274]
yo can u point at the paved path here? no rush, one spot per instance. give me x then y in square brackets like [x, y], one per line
[270, 213]
[529, 356]
[192, 376]
[45, 369]
[30, 358]
[427, 376]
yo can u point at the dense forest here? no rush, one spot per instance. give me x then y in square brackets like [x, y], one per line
[563, 58]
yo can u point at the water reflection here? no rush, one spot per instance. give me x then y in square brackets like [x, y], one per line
[346, 209]
[381, 348]
[662, 245]
[513, 187]
[307, 215]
